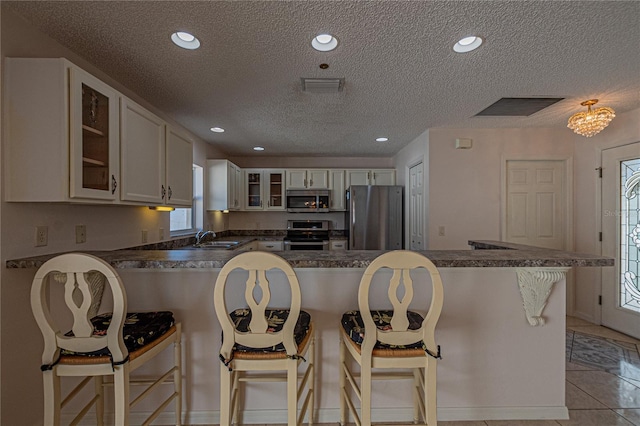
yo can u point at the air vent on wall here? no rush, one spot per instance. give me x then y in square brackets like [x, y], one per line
[322, 85]
[517, 106]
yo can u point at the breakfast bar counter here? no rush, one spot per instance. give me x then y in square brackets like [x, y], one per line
[487, 254]
[502, 328]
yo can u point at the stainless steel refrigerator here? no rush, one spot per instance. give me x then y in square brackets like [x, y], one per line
[375, 217]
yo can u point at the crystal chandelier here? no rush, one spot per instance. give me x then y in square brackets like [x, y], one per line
[591, 122]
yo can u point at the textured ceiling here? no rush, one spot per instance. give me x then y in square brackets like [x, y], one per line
[401, 74]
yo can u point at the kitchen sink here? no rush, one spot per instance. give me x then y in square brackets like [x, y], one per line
[217, 244]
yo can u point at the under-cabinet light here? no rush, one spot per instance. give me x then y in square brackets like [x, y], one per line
[162, 208]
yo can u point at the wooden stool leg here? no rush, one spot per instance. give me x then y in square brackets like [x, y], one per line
[430, 402]
[292, 392]
[225, 396]
[52, 401]
[121, 394]
[312, 378]
[177, 377]
[236, 397]
[99, 389]
[365, 391]
[343, 384]
[417, 395]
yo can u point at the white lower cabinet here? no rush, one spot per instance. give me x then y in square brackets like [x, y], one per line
[252, 246]
[270, 245]
[338, 245]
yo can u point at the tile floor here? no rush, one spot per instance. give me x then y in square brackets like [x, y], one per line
[603, 380]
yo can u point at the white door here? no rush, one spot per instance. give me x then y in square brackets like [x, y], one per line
[621, 238]
[536, 203]
[416, 207]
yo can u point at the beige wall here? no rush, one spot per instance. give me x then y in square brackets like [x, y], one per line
[465, 184]
[108, 227]
[414, 153]
[623, 130]
[463, 195]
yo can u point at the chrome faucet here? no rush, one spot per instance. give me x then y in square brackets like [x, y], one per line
[201, 234]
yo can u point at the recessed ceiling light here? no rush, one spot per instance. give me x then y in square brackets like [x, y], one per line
[185, 40]
[258, 148]
[382, 139]
[324, 42]
[467, 44]
[217, 129]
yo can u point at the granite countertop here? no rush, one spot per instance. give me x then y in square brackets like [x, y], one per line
[485, 254]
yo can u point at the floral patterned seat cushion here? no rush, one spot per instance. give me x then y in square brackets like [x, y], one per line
[275, 320]
[354, 326]
[140, 328]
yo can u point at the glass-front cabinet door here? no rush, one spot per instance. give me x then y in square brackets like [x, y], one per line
[94, 138]
[264, 189]
[253, 190]
[275, 189]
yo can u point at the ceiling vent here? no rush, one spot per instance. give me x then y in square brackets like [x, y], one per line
[322, 85]
[517, 106]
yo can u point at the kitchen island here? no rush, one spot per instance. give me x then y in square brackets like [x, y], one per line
[502, 329]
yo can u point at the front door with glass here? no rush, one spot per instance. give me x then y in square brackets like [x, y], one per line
[621, 238]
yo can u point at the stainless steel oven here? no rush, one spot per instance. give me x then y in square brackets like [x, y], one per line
[307, 235]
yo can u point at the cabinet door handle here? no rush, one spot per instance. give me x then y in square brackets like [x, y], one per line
[170, 193]
[311, 183]
[164, 192]
[305, 183]
[260, 203]
[114, 184]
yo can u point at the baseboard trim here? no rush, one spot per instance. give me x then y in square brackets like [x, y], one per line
[332, 415]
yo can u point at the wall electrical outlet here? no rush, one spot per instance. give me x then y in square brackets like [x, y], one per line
[42, 236]
[441, 231]
[161, 234]
[144, 236]
[81, 234]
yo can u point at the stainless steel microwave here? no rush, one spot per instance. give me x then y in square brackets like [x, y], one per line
[307, 200]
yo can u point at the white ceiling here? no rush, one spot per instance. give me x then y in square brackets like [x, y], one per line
[401, 74]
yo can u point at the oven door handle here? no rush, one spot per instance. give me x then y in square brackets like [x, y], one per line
[310, 243]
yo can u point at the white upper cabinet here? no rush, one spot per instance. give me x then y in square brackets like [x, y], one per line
[156, 160]
[224, 184]
[61, 140]
[142, 146]
[264, 189]
[307, 179]
[72, 138]
[371, 177]
[179, 172]
[383, 177]
[337, 200]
